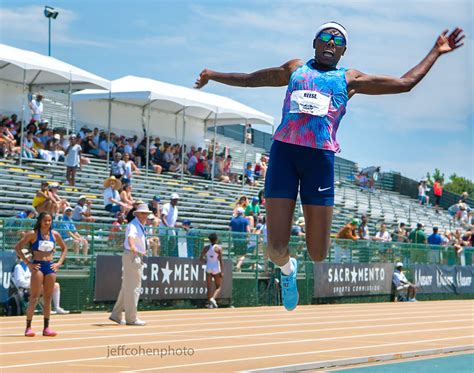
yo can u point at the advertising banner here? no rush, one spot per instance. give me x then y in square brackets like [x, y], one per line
[432, 278]
[7, 263]
[163, 278]
[352, 279]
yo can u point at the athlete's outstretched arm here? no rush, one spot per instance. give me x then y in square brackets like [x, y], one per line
[272, 77]
[358, 82]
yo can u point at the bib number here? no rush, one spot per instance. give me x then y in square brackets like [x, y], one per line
[46, 246]
[309, 102]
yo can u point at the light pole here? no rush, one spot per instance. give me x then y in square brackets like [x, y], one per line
[49, 13]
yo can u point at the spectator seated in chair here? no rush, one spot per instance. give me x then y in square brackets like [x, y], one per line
[402, 285]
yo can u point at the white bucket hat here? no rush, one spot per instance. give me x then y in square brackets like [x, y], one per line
[143, 208]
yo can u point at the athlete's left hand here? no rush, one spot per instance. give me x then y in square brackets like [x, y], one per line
[446, 44]
[55, 267]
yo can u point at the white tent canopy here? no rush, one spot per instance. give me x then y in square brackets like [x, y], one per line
[43, 72]
[172, 99]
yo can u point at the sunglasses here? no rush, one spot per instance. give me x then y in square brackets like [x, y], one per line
[338, 40]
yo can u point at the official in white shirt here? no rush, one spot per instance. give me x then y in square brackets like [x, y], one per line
[132, 263]
[402, 284]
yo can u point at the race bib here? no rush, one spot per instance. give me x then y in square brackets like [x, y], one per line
[310, 102]
[46, 246]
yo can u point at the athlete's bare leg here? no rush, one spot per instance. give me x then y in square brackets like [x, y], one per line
[318, 220]
[279, 220]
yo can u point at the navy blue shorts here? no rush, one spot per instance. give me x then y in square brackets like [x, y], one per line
[45, 266]
[292, 167]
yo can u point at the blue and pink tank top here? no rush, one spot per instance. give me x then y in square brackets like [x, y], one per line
[315, 103]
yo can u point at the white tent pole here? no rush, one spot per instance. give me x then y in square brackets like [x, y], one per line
[23, 121]
[182, 144]
[245, 155]
[69, 116]
[148, 138]
[214, 149]
[109, 125]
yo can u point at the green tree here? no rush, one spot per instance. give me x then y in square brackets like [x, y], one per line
[458, 184]
[437, 174]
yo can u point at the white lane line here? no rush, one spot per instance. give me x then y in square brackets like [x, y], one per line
[264, 318]
[244, 312]
[29, 341]
[382, 359]
[293, 354]
[241, 359]
[238, 336]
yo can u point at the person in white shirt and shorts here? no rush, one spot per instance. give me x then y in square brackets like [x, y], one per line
[212, 256]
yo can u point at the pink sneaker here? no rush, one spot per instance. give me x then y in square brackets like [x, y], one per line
[29, 332]
[48, 332]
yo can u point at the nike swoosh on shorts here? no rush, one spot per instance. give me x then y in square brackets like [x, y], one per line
[322, 190]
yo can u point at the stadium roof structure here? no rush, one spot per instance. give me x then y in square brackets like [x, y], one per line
[42, 72]
[175, 99]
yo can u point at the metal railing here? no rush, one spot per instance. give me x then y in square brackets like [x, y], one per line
[248, 249]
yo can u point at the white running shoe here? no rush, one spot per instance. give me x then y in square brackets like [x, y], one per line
[137, 322]
[213, 302]
[61, 311]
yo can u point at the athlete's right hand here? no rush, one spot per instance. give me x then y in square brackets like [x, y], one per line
[33, 266]
[203, 79]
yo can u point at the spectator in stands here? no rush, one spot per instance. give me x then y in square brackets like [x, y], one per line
[169, 157]
[238, 226]
[348, 232]
[70, 235]
[7, 141]
[363, 230]
[261, 197]
[22, 280]
[219, 170]
[130, 169]
[382, 235]
[73, 160]
[418, 235]
[454, 242]
[253, 210]
[169, 214]
[90, 147]
[112, 201]
[118, 226]
[435, 238]
[438, 192]
[43, 202]
[422, 189]
[106, 146]
[202, 168]
[372, 175]
[193, 161]
[130, 216]
[117, 167]
[36, 107]
[212, 256]
[191, 237]
[153, 241]
[299, 228]
[28, 146]
[467, 238]
[126, 195]
[233, 177]
[402, 284]
[400, 233]
[155, 207]
[62, 203]
[242, 202]
[82, 211]
[248, 175]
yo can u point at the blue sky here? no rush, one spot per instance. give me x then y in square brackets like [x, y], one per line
[173, 41]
